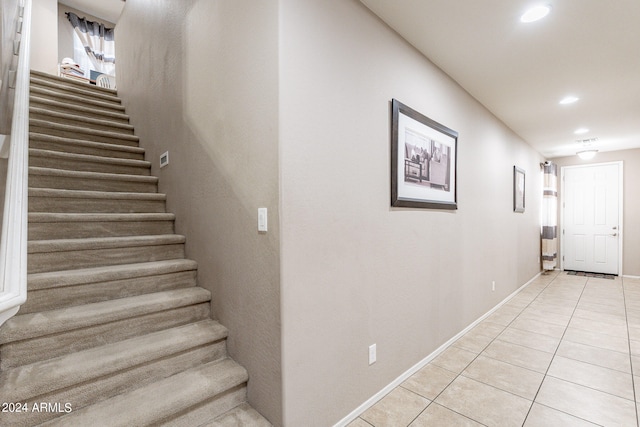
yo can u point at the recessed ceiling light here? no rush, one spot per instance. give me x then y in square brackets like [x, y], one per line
[581, 131]
[535, 13]
[569, 100]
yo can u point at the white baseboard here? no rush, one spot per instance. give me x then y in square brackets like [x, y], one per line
[630, 277]
[415, 368]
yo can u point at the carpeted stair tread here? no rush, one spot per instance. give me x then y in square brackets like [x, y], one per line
[81, 146]
[80, 130]
[33, 325]
[46, 217]
[40, 246]
[60, 200]
[53, 105]
[52, 115]
[81, 89]
[71, 82]
[159, 401]
[88, 158]
[75, 99]
[48, 280]
[35, 170]
[45, 226]
[43, 377]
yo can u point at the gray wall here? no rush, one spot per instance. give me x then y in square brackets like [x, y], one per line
[631, 210]
[355, 271]
[199, 79]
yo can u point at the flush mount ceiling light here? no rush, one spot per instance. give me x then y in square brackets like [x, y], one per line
[581, 131]
[569, 100]
[535, 13]
[587, 152]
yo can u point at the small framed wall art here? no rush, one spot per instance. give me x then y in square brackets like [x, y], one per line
[518, 189]
[423, 161]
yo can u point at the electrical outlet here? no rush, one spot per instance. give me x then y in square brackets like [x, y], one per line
[372, 354]
[493, 285]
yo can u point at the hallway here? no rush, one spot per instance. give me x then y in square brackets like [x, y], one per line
[562, 352]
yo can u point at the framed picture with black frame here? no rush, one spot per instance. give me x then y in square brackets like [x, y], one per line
[423, 161]
[518, 189]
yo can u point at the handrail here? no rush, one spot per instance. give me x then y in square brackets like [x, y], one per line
[13, 246]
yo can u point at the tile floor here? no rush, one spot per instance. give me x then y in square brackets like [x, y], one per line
[565, 351]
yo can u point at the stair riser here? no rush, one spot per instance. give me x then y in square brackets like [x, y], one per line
[86, 166]
[79, 133]
[109, 386]
[72, 183]
[85, 91]
[69, 205]
[210, 409]
[67, 296]
[69, 260]
[79, 229]
[76, 100]
[83, 149]
[100, 114]
[77, 121]
[36, 349]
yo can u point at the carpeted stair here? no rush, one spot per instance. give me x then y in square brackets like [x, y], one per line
[115, 330]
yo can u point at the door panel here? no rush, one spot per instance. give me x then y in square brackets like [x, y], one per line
[590, 220]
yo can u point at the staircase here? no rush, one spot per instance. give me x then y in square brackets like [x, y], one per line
[115, 331]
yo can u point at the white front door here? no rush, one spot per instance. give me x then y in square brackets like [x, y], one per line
[591, 218]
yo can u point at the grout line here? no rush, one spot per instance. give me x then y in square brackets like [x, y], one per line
[633, 384]
[558, 346]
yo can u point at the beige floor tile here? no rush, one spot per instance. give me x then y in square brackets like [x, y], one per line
[530, 339]
[454, 359]
[436, 415]
[396, 409]
[635, 347]
[561, 307]
[600, 308]
[473, 342]
[539, 327]
[429, 381]
[503, 318]
[358, 422]
[596, 339]
[514, 379]
[488, 329]
[586, 403]
[483, 403]
[540, 314]
[518, 355]
[636, 386]
[543, 416]
[599, 317]
[615, 330]
[595, 355]
[603, 379]
[635, 365]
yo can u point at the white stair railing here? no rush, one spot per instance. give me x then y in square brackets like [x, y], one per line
[13, 245]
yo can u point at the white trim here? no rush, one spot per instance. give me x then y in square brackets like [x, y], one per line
[421, 364]
[13, 245]
[620, 164]
[628, 276]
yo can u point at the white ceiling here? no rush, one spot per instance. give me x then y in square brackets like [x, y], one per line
[109, 10]
[586, 48]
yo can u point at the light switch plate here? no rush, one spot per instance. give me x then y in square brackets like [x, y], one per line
[262, 220]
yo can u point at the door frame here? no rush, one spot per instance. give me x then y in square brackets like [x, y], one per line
[620, 164]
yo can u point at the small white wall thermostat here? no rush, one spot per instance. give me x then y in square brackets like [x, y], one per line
[262, 220]
[164, 159]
